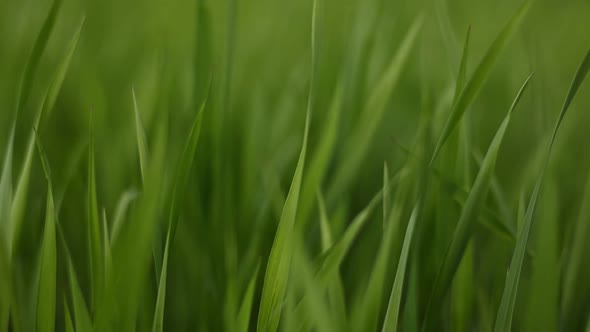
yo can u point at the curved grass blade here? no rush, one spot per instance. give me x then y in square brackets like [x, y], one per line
[279, 261]
[505, 312]
[462, 74]
[68, 318]
[325, 230]
[360, 139]
[465, 226]
[141, 138]
[21, 191]
[393, 308]
[120, 212]
[182, 174]
[576, 258]
[246, 307]
[96, 258]
[480, 76]
[35, 57]
[48, 265]
[6, 193]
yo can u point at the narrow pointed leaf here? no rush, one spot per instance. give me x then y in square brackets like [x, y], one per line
[506, 310]
[141, 138]
[245, 310]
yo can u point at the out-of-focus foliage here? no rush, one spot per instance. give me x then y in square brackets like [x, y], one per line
[219, 165]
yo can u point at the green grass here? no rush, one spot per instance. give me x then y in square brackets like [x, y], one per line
[316, 165]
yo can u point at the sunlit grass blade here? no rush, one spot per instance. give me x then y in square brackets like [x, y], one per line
[372, 113]
[480, 75]
[22, 188]
[141, 138]
[48, 264]
[95, 250]
[467, 220]
[35, 56]
[120, 213]
[245, 311]
[279, 261]
[325, 230]
[505, 312]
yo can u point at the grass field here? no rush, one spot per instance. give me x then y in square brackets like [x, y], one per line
[307, 165]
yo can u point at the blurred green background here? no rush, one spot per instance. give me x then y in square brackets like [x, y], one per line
[257, 55]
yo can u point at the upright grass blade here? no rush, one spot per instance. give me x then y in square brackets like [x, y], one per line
[330, 261]
[393, 308]
[141, 138]
[372, 113]
[325, 230]
[69, 324]
[96, 258]
[467, 221]
[505, 312]
[462, 74]
[182, 174]
[35, 56]
[82, 318]
[21, 192]
[245, 311]
[6, 192]
[480, 76]
[279, 261]
[572, 276]
[48, 265]
[120, 212]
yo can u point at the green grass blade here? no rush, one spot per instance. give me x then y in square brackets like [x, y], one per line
[245, 311]
[462, 75]
[82, 318]
[6, 193]
[22, 188]
[576, 259]
[480, 76]
[385, 194]
[35, 56]
[279, 261]
[69, 325]
[360, 139]
[96, 258]
[48, 265]
[141, 138]
[325, 230]
[158, 324]
[467, 220]
[393, 308]
[120, 213]
[505, 312]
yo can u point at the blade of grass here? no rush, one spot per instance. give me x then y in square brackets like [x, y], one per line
[505, 312]
[245, 311]
[141, 138]
[480, 76]
[82, 318]
[279, 261]
[35, 56]
[465, 226]
[95, 250]
[360, 139]
[182, 174]
[48, 265]
[69, 325]
[21, 192]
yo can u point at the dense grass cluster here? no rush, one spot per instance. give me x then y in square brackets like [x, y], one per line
[314, 165]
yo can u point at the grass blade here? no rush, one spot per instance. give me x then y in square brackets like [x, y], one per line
[246, 307]
[21, 192]
[68, 318]
[48, 265]
[141, 138]
[505, 312]
[94, 237]
[467, 220]
[35, 57]
[279, 261]
[81, 315]
[373, 112]
[158, 324]
[480, 76]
